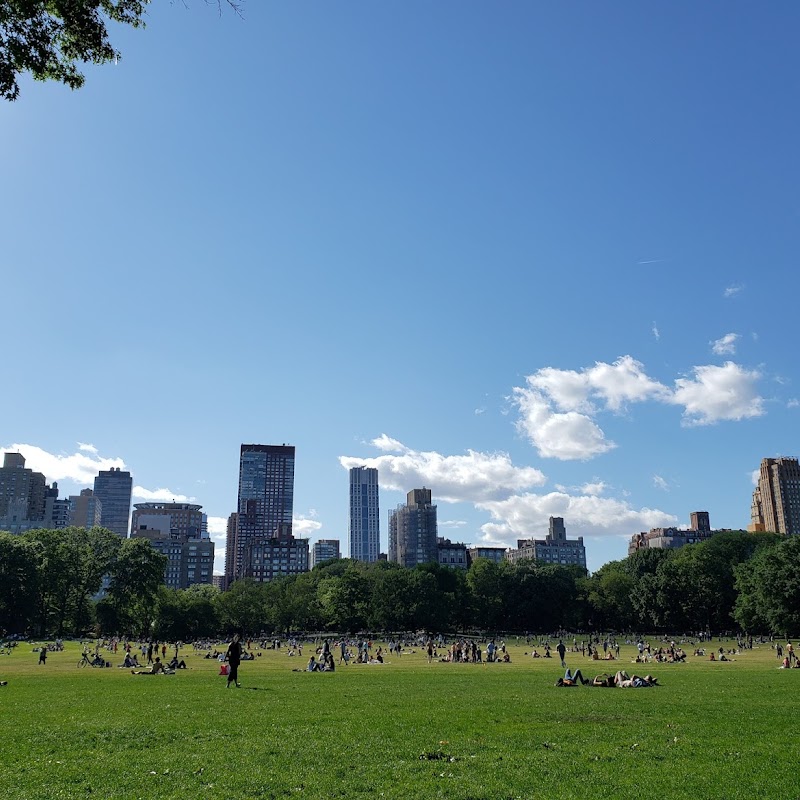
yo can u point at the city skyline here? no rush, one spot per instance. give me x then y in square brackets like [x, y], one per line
[538, 260]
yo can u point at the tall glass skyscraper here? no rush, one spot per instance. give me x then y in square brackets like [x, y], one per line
[364, 528]
[266, 497]
[113, 488]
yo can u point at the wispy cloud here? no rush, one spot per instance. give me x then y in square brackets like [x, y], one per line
[642, 261]
[733, 290]
[660, 483]
[452, 523]
[656, 333]
[725, 345]
[793, 403]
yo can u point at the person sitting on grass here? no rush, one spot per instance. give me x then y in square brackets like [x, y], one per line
[156, 669]
[312, 665]
[572, 679]
[175, 664]
[129, 662]
[329, 665]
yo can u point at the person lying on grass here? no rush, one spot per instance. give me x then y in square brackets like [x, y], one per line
[572, 679]
[623, 681]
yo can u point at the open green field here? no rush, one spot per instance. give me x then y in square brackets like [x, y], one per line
[403, 729]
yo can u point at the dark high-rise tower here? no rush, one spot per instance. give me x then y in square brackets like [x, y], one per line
[776, 499]
[413, 530]
[113, 488]
[266, 497]
[364, 529]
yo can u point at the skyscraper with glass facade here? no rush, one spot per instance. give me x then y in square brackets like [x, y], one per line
[266, 498]
[113, 487]
[364, 526]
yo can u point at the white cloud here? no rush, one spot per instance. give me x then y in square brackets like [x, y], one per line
[479, 411]
[87, 448]
[303, 527]
[733, 290]
[557, 406]
[656, 333]
[793, 403]
[472, 477]
[594, 488]
[725, 345]
[718, 393]
[388, 445]
[452, 523]
[660, 483]
[160, 495]
[526, 515]
[217, 526]
[81, 467]
[754, 476]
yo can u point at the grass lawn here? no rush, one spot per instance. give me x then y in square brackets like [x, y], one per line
[403, 729]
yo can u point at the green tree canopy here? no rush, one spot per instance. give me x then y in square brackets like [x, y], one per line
[52, 39]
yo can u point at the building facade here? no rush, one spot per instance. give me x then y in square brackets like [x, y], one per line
[22, 494]
[776, 498]
[496, 554]
[113, 487]
[555, 548]
[452, 554]
[364, 531]
[269, 558]
[672, 538]
[85, 510]
[176, 531]
[413, 535]
[324, 550]
[266, 497]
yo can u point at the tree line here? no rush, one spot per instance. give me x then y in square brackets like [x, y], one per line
[49, 580]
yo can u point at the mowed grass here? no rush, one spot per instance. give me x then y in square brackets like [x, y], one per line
[403, 729]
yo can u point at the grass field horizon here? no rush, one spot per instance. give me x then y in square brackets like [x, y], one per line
[402, 729]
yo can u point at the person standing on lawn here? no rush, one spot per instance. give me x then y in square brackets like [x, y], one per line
[234, 657]
[562, 650]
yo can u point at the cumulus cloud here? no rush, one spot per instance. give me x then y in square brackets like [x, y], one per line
[217, 527]
[557, 407]
[527, 515]
[793, 403]
[594, 488]
[563, 435]
[386, 444]
[718, 393]
[81, 467]
[304, 526]
[159, 495]
[725, 345]
[471, 477]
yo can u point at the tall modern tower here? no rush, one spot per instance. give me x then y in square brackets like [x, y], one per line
[266, 497]
[776, 499]
[113, 488]
[364, 529]
[413, 530]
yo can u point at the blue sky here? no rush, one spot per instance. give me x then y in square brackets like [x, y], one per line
[540, 258]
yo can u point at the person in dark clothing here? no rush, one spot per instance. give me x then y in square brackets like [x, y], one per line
[562, 651]
[234, 657]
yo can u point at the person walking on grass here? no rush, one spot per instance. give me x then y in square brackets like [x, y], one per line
[234, 657]
[43, 654]
[562, 650]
